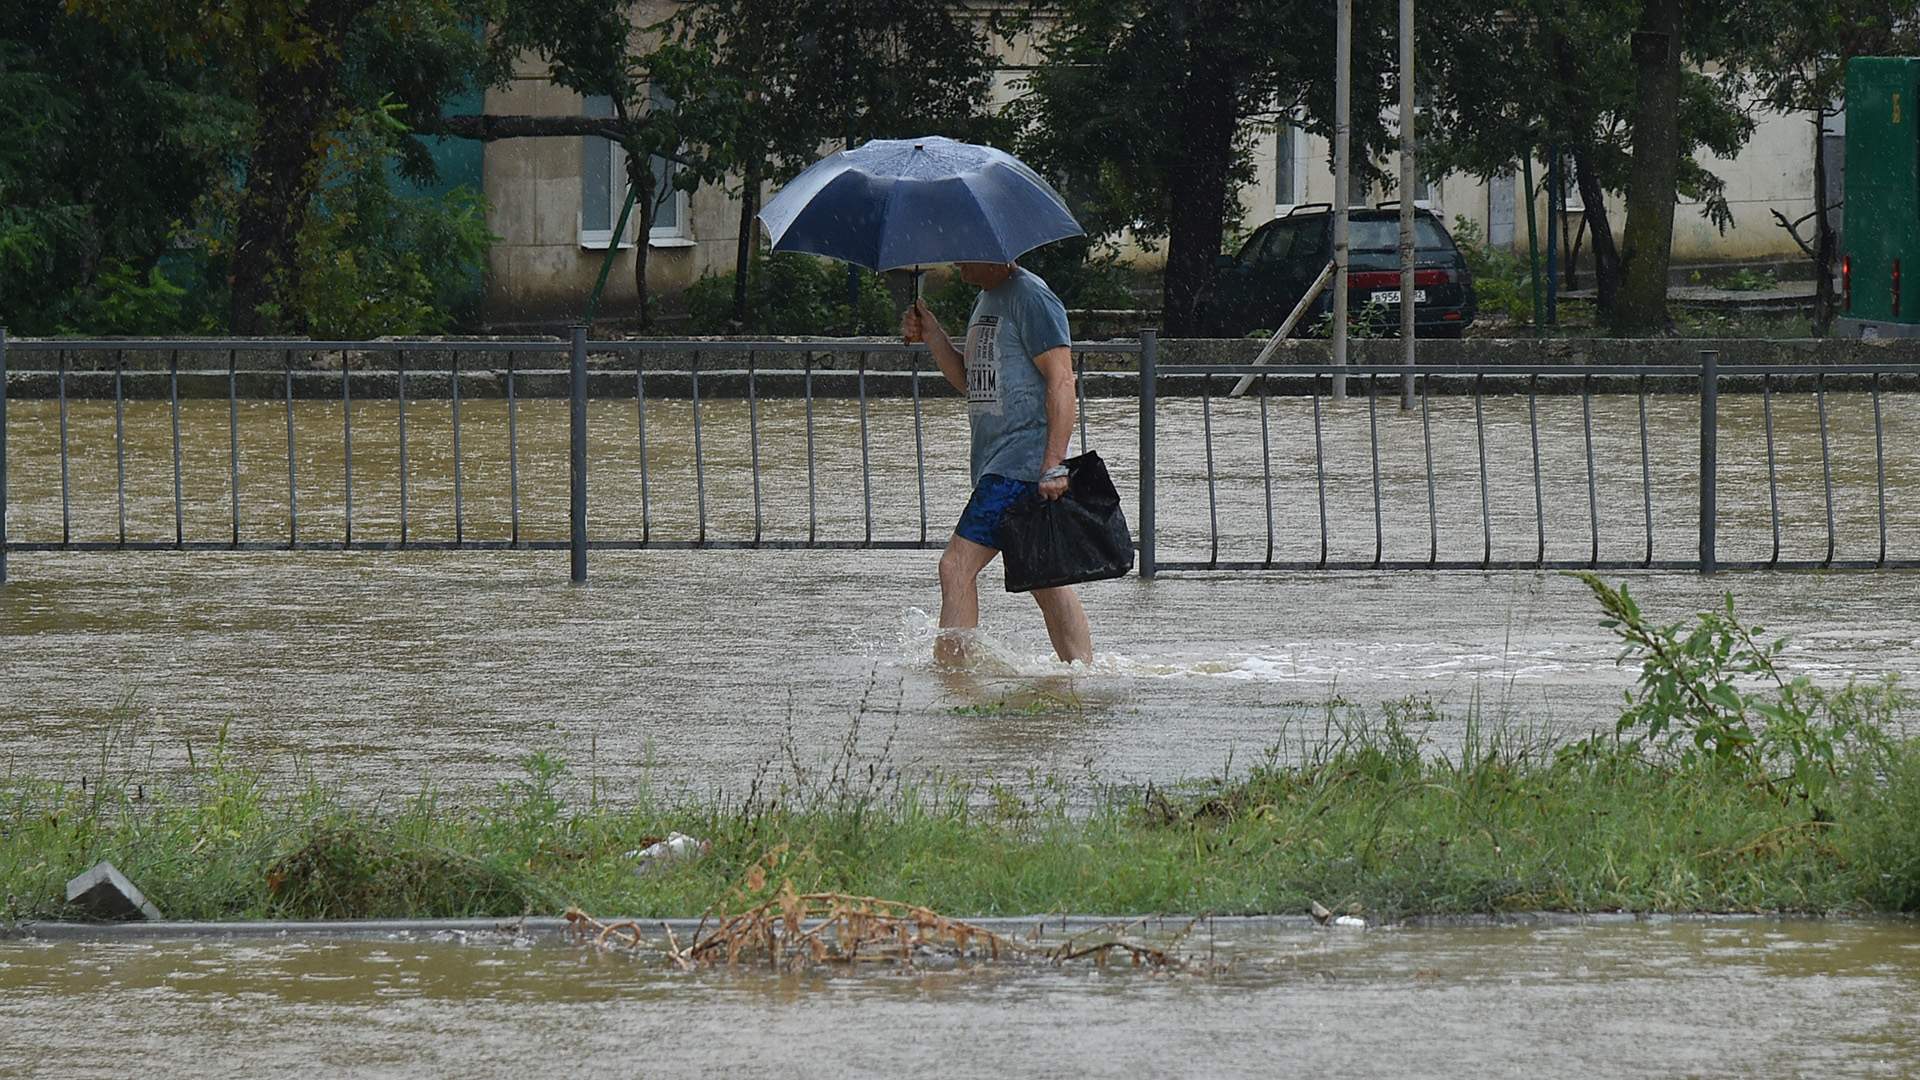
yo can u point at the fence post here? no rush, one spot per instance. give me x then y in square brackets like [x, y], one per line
[1709, 454]
[577, 473]
[3, 455]
[1149, 344]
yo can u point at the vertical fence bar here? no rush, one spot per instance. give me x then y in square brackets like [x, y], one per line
[1826, 458]
[173, 396]
[813, 507]
[233, 438]
[1773, 486]
[1373, 444]
[1593, 495]
[866, 467]
[577, 454]
[401, 373]
[459, 502]
[120, 442]
[293, 498]
[699, 452]
[919, 444]
[1646, 471]
[3, 455]
[513, 454]
[640, 415]
[1709, 455]
[1320, 470]
[1266, 466]
[1539, 497]
[1426, 435]
[753, 436]
[1080, 390]
[66, 504]
[346, 435]
[1879, 470]
[1149, 361]
[1213, 511]
[1480, 440]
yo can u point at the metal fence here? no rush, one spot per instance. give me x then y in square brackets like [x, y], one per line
[1311, 400]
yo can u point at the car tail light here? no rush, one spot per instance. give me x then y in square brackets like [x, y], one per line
[1896, 287]
[1451, 316]
[1846, 282]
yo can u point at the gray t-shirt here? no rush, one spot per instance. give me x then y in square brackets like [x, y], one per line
[1006, 396]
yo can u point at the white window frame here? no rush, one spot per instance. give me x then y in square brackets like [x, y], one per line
[660, 236]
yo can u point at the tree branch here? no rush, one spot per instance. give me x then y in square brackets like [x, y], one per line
[1793, 228]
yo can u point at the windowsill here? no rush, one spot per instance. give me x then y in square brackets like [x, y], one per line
[591, 243]
[671, 242]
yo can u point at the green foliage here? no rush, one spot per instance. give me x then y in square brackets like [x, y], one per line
[1747, 279]
[1712, 695]
[371, 262]
[1375, 319]
[1502, 281]
[797, 295]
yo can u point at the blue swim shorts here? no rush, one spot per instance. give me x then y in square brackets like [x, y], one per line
[992, 497]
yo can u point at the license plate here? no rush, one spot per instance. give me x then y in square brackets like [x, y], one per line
[1392, 296]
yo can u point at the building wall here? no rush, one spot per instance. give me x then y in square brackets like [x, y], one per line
[1773, 171]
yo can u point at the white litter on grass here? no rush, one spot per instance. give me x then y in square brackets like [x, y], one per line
[676, 847]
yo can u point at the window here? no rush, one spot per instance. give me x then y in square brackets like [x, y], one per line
[1289, 168]
[603, 191]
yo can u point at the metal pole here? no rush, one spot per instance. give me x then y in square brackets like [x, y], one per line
[1342, 129]
[1554, 198]
[577, 474]
[1149, 345]
[613, 249]
[3, 455]
[1533, 243]
[1709, 453]
[1407, 247]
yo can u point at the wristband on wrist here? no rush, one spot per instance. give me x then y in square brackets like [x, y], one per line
[1058, 472]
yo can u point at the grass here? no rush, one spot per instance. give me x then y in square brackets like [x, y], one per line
[1728, 785]
[1360, 814]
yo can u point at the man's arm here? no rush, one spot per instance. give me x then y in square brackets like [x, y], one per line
[1056, 369]
[919, 324]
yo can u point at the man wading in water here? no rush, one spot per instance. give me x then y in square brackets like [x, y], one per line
[1017, 373]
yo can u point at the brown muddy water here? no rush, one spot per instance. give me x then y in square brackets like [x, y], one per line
[385, 671]
[1750, 998]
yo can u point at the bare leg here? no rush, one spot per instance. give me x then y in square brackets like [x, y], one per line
[1066, 623]
[960, 567]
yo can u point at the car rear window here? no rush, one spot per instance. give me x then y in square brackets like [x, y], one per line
[1383, 234]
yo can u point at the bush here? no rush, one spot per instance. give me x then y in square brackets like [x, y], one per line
[1501, 279]
[790, 294]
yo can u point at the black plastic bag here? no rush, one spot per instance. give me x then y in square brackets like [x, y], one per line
[1081, 536]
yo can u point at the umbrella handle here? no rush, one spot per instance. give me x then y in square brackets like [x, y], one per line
[911, 338]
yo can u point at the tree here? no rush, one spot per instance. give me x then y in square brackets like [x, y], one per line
[1621, 88]
[1805, 70]
[106, 146]
[1146, 113]
[304, 68]
[762, 86]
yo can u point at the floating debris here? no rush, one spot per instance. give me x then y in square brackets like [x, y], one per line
[796, 930]
[676, 847]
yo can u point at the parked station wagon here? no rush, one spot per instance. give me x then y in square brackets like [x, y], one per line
[1259, 286]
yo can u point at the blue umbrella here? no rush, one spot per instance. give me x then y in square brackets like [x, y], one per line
[897, 203]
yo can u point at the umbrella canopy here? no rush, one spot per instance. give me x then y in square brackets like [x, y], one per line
[896, 203]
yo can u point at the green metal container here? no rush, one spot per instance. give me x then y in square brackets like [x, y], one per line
[1880, 250]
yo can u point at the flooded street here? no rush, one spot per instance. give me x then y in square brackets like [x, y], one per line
[1669, 998]
[385, 671]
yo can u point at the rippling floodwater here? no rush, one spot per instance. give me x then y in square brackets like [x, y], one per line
[387, 670]
[1719, 998]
